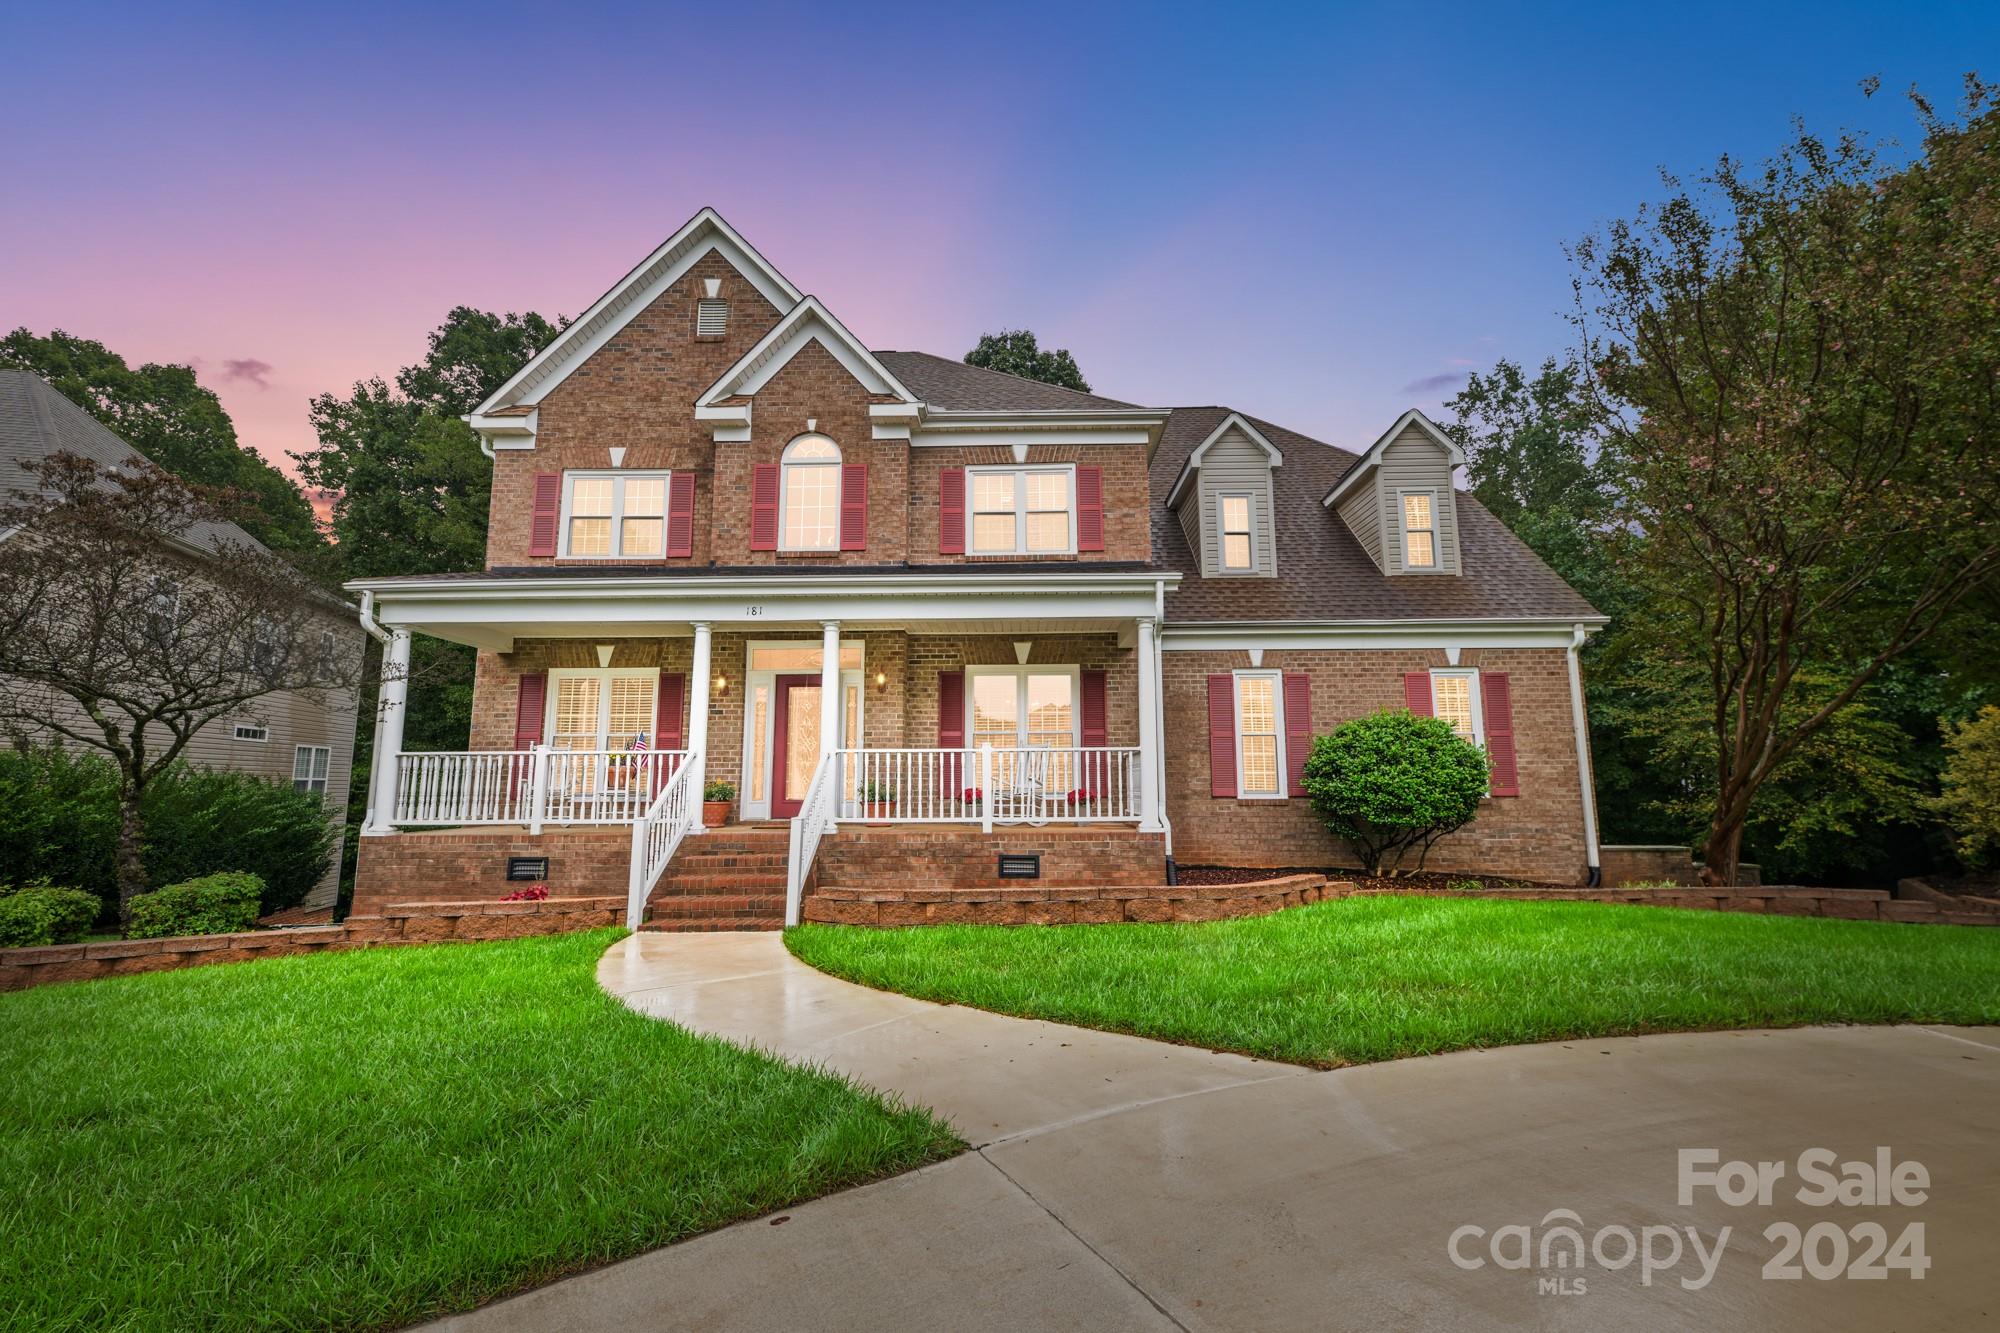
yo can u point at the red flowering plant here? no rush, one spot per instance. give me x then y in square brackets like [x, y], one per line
[534, 893]
[972, 796]
[1081, 796]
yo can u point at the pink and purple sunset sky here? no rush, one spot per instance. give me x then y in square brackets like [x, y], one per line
[1318, 214]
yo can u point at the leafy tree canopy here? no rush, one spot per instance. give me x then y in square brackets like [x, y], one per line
[164, 413]
[1016, 352]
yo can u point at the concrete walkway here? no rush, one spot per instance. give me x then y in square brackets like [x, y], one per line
[1125, 1184]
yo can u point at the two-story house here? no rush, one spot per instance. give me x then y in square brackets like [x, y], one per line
[936, 624]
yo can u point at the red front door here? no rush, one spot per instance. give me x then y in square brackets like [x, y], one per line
[795, 746]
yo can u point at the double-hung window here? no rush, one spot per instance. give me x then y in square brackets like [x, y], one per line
[1455, 698]
[810, 500]
[613, 514]
[1419, 530]
[602, 709]
[1022, 510]
[309, 766]
[1260, 734]
[1237, 549]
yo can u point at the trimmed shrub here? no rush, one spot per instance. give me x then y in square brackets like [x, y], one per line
[40, 913]
[1387, 783]
[62, 823]
[211, 905]
[1970, 800]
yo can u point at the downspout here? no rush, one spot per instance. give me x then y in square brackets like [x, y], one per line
[1158, 667]
[1580, 724]
[374, 629]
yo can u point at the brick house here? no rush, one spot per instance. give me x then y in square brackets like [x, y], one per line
[926, 617]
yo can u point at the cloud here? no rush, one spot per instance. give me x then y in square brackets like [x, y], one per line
[248, 371]
[1450, 379]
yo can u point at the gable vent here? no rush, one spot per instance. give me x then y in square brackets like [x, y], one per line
[711, 319]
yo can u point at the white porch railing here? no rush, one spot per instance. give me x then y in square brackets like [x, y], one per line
[657, 836]
[532, 787]
[990, 785]
[813, 821]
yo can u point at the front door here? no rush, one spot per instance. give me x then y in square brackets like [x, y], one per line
[795, 742]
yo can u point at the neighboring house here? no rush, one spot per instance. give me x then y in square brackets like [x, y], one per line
[287, 737]
[933, 616]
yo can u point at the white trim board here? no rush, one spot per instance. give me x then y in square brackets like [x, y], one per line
[806, 323]
[1372, 456]
[1193, 463]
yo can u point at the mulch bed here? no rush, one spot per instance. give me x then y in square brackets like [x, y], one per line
[1427, 882]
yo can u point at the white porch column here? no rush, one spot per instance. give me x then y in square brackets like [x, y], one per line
[829, 687]
[391, 706]
[1149, 729]
[697, 735]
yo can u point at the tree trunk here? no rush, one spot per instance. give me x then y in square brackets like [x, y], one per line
[131, 866]
[1721, 851]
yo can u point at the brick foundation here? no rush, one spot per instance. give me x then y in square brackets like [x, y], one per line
[953, 857]
[397, 923]
[1061, 905]
[470, 864]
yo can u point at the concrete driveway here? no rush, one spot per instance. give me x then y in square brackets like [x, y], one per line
[1123, 1184]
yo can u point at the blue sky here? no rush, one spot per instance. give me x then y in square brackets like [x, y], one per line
[1318, 214]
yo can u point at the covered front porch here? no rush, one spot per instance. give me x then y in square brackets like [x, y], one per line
[890, 705]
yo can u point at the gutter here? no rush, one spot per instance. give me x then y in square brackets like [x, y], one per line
[368, 621]
[1580, 724]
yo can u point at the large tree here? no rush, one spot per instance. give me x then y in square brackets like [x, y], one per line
[1800, 371]
[131, 618]
[1016, 352]
[166, 414]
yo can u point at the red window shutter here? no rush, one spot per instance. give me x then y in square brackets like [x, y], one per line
[668, 733]
[1497, 695]
[1417, 693]
[680, 514]
[1298, 728]
[764, 507]
[854, 507]
[951, 731]
[529, 705]
[951, 511]
[1222, 735]
[1090, 509]
[1096, 728]
[547, 514]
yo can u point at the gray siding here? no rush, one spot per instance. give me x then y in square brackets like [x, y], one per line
[1361, 510]
[1413, 462]
[1234, 465]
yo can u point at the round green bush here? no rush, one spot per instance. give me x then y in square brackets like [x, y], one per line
[212, 905]
[40, 913]
[1393, 781]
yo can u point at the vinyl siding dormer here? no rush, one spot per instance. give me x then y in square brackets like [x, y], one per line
[1399, 486]
[1234, 464]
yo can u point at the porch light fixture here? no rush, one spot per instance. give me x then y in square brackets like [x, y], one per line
[721, 683]
[881, 681]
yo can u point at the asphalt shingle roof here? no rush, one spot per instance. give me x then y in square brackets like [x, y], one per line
[37, 422]
[1323, 572]
[957, 387]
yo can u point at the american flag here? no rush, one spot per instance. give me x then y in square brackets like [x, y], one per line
[638, 742]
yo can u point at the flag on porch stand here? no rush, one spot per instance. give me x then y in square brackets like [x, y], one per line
[638, 742]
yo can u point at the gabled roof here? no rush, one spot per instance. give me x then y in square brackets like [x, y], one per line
[37, 422]
[704, 232]
[954, 386]
[808, 322]
[1239, 422]
[1372, 457]
[1502, 578]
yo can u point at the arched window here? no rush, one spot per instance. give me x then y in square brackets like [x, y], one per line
[810, 500]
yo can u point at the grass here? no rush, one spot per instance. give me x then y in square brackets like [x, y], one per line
[364, 1139]
[1363, 979]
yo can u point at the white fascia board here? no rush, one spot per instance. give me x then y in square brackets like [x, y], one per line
[1272, 453]
[807, 322]
[928, 438]
[1373, 455]
[896, 411]
[942, 429]
[1509, 632]
[704, 232]
[508, 432]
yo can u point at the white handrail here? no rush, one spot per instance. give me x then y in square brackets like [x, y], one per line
[657, 836]
[533, 786]
[1064, 784]
[816, 817]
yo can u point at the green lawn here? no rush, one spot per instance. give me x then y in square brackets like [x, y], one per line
[364, 1139]
[1350, 981]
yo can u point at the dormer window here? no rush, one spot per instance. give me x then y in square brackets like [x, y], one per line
[1237, 551]
[1419, 530]
[810, 496]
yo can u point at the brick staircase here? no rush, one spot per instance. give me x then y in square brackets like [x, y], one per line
[730, 878]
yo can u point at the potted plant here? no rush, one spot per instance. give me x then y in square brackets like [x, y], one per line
[715, 798]
[878, 801]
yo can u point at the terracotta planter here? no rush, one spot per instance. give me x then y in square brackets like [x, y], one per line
[714, 814]
[878, 809]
